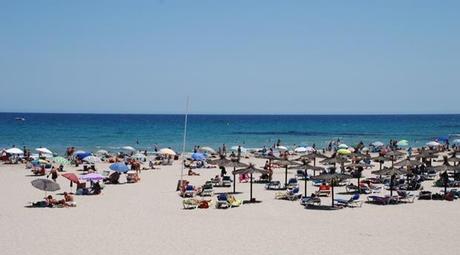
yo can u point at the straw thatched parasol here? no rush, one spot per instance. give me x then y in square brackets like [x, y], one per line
[251, 169]
[224, 162]
[332, 178]
[392, 172]
[286, 163]
[407, 163]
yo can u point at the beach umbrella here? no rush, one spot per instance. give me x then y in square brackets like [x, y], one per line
[128, 148]
[392, 172]
[91, 159]
[61, 161]
[81, 155]
[198, 156]
[365, 149]
[73, 178]
[286, 163]
[138, 156]
[39, 162]
[344, 152]
[444, 175]
[377, 144]
[45, 185]
[407, 163]
[93, 177]
[228, 163]
[119, 167]
[44, 150]
[167, 151]
[433, 144]
[251, 169]
[334, 160]
[402, 143]
[342, 146]
[282, 148]
[314, 169]
[208, 150]
[312, 156]
[15, 151]
[300, 150]
[332, 178]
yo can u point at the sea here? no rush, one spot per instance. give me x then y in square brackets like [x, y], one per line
[111, 132]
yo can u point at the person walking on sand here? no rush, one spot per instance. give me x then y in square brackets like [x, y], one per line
[53, 173]
[239, 152]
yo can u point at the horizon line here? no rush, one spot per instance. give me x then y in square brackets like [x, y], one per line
[230, 114]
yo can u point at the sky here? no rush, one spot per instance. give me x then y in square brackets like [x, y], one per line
[230, 57]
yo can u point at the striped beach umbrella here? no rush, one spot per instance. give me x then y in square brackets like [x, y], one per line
[61, 160]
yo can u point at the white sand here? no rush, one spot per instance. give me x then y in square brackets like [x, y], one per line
[147, 218]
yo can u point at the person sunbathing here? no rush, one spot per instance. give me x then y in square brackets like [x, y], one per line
[191, 172]
[68, 200]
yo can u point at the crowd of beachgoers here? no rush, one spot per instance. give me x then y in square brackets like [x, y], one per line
[376, 173]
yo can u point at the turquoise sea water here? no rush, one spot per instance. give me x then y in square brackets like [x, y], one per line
[112, 131]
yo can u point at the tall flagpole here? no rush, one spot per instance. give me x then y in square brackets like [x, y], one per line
[185, 139]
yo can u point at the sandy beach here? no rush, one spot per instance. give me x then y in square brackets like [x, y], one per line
[148, 218]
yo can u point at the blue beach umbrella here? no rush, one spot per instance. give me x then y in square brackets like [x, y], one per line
[83, 154]
[119, 167]
[198, 156]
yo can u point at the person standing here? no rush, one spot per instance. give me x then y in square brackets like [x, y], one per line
[53, 173]
[239, 152]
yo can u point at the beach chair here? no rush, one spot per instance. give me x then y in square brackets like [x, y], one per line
[292, 183]
[190, 203]
[226, 181]
[324, 190]
[385, 200]
[234, 202]
[305, 201]
[207, 190]
[290, 194]
[405, 196]
[273, 185]
[189, 191]
[293, 194]
[222, 201]
[353, 201]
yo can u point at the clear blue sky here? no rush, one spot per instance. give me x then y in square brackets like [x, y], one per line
[230, 56]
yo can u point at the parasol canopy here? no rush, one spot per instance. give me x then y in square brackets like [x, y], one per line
[45, 185]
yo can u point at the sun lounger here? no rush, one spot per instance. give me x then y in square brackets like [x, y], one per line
[222, 201]
[189, 191]
[226, 181]
[292, 183]
[323, 207]
[351, 202]
[207, 190]
[273, 185]
[234, 202]
[324, 190]
[383, 200]
[290, 194]
[310, 201]
[190, 203]
[405, 196]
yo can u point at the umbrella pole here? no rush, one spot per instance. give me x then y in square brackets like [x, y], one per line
[250, 200]
[359, 186]
[446, 179]
[332, 185]
[285, 176]
[234, 181]
[305, 179]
